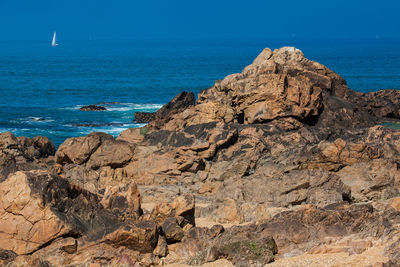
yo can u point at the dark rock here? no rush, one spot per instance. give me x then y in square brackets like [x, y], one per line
[92, 108]
[241, 245]
[172, 231]
[140, 236]
[256, 252]
[177, 105]
[383, 103]
[7, 255]
[44, 146]
[144, 117]
[97, 124]
[161, 249]
[37, 119]
[77, 207]
[21, 153]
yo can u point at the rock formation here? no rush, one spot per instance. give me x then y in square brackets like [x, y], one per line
[92, 108]
[280, 165]
[144, 117]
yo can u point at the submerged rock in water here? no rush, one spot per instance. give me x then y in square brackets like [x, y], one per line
[98, 124]
[92, 108]
[37, 119]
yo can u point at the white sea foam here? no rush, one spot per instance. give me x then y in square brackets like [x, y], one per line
[37, 120]
[132, 106]
[147, 106]
[114, 131]
[121, 107]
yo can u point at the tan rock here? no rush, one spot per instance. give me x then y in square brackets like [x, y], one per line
[141, 236]
[124, 200]
[131, 135]
[26, 223]
[394, 203]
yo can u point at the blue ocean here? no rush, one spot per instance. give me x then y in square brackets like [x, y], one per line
[43, 87]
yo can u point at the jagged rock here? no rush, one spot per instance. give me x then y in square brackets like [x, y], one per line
[177, 105]
[123, 200]
[26, 224]
[98, 124]
[382, 104]
[281, 86]
[78, 150]
[44, 216]
[161, 249]
[92, 108]
[132, 135]
[44, 207]
[237, 244]
[94, 161]
[140, 236]
[283, 146]
[144, 117]
[172, 231]
[21, 153]
[182, 206]
[377, 179]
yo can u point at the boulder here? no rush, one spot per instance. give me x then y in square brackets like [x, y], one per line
[172, 231]
[123, 200]
[21, 153]
[94, 161]
[140, 236]
[27, 224]
[132, 135]
[182, 206]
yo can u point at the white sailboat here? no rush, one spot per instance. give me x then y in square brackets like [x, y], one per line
[54, 42]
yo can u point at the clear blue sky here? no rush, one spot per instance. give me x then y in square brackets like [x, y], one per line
[81, 19]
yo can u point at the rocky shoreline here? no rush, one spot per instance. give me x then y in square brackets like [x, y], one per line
[279, 165]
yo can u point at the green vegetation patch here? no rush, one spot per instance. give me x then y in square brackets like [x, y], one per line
[144, 131]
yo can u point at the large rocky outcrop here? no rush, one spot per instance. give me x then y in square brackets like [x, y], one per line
[281, 164]
[41, 211]
[281, 86]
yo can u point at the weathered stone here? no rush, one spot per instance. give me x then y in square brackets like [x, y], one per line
[144, 117]
[161, 249]
[172, 231]
[123, 200]
[26, 223]
[177, 105]
[21, 153]
[141, 236]
[95, 161]
[92, 108]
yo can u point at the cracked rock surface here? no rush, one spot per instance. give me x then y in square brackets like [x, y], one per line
[279, 165]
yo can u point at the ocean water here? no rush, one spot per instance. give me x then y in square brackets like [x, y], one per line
[42, 87]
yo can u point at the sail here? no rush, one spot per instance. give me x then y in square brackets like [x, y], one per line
[54, 43]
